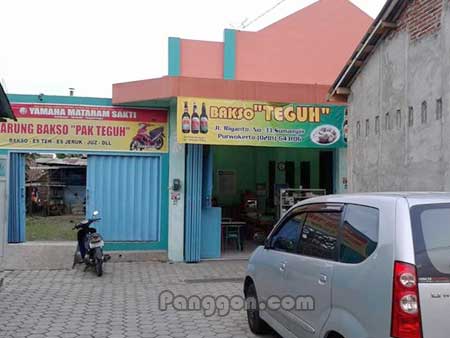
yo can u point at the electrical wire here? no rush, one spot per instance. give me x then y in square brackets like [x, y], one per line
[244, 25]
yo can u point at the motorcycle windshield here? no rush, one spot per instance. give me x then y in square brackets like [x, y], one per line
[155, 133]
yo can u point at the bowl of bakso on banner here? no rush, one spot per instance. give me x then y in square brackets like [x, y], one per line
[325, 135]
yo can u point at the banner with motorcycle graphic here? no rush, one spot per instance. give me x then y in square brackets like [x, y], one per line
[85, 128]
[264, 124]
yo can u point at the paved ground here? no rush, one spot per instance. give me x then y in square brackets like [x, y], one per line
[122, 303]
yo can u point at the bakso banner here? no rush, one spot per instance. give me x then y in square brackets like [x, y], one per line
[228, 122]
[85, 128]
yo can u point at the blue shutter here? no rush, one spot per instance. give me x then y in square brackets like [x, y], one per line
[207, 180]
[16, 209]
[193, 212]
[126, 190]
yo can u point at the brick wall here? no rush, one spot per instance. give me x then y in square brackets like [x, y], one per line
[422, 18]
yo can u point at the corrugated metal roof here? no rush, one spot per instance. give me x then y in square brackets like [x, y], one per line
[383, 24]
[70, 161]
[5, 107]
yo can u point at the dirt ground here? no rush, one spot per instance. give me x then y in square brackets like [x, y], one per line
[52, 228]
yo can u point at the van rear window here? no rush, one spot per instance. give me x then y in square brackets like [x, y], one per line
[431, 233]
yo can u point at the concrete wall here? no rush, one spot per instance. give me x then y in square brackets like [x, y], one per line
[176, 170]
[401, 74]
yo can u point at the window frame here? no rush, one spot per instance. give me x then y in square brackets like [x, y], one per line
[341, 232]
[323, 208]
[282, 222]
[418, 240]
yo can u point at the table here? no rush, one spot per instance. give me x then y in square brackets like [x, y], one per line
[233, 228]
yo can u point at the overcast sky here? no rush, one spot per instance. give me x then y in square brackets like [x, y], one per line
[52, 45]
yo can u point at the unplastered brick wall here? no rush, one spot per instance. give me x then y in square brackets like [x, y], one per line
[422, 18]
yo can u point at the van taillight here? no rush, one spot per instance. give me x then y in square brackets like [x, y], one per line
[406, 319]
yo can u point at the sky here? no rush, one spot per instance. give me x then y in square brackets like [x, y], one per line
[52, 45]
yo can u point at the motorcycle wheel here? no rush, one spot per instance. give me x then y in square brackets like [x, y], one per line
[76, 259]
[98, 259]
[134, 145]
[99, 267]
[159, 143]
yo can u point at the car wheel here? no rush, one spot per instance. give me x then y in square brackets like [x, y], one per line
[256, 324]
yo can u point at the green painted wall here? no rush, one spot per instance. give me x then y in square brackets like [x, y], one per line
[251, 166]
[229, 54]
[174, 62]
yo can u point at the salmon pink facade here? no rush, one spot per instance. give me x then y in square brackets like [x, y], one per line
[293, 61]
[305, 47]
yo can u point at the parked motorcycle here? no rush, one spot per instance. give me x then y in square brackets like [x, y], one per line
[153, 139]
[90, 245]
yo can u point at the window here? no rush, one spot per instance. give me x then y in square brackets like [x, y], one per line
[358, 129]
[424, 112]
[410, 116]
[286, 238]
[367, 127]
[438, 109]
[431, 234]
[319, 235]
[359, 233]
[387, 122]
[398, 119]
[226, 182]
[377, 125]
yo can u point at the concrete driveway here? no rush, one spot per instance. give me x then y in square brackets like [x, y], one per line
[131, 300]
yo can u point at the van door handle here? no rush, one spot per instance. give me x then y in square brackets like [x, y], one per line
[323, 279]
[282, 266]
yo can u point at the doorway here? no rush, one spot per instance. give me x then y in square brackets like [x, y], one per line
[49, 194]
[246, 186]
[55, 195]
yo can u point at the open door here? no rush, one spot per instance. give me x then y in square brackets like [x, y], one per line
[193, 206]
[211, 217]
[16, 209]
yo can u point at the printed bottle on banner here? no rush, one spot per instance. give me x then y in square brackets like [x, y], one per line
[195, 121]
[186, 120]
[203, 120]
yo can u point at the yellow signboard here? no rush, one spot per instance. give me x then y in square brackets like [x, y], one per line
[230, 122]
[85, 128]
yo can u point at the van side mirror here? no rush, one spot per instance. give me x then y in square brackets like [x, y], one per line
[260, 238]
[267, 244]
